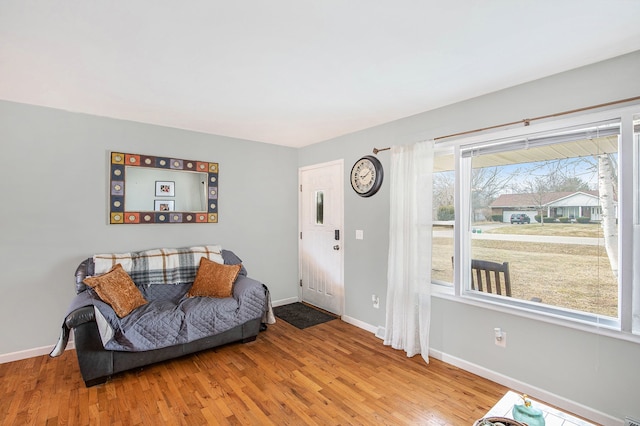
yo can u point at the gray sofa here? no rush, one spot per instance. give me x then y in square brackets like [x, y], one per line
[170, 325]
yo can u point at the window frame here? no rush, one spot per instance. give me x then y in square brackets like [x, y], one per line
[628, 222]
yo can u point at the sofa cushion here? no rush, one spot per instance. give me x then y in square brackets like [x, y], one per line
[214, 279]
[118, 290]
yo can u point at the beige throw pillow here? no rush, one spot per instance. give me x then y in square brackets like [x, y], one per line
[214, 279]
[118, 290]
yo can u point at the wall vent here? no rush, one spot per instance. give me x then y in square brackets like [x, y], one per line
[630, 422]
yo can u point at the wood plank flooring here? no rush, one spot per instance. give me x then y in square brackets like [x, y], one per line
[329, 374]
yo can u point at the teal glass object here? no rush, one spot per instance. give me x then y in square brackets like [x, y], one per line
[525, 413]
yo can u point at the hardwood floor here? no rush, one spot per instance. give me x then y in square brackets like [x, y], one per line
[329, 374]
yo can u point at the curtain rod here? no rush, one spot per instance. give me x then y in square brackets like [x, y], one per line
[526, 121]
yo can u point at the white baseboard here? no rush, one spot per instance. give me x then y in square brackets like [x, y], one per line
[281, 302]
[533, 391]
[360, 324]
[30, 353]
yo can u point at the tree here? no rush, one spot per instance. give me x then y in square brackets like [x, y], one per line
[607, 187]
[443, 189]
[537, 190]
[487, 183]
[446, 213]
[564, 175]
[570, 184]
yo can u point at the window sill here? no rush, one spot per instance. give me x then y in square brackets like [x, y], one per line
[613, 331]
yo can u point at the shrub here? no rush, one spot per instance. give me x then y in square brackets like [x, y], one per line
[583, 219]
[496, 217]
[446, 213]
[546, 219]
[563, 219]
[537, 218]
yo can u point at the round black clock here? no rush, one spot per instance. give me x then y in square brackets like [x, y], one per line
[366, 176]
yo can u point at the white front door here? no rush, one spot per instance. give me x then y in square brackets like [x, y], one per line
[321, 235]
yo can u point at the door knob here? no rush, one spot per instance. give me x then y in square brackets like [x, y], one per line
[336, 247]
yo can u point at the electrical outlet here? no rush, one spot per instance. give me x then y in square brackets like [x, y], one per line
[500, 337]
[376, 301]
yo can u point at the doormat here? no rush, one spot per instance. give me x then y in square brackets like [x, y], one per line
[302, 316]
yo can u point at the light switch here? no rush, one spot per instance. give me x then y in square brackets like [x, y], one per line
[359, 234]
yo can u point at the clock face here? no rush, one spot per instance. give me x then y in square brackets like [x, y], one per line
[366, 176]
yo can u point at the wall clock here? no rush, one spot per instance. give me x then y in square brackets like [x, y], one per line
[366, 176]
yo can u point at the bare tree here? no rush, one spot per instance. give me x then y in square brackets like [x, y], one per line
[443, 189]
[487, 183]
[537, 188]
[564, 175]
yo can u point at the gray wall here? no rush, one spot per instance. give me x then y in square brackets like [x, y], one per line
[592, 370]
[54, 202]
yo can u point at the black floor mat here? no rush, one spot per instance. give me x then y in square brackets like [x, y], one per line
[301, 315]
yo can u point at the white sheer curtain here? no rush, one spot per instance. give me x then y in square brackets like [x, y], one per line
[409, 270]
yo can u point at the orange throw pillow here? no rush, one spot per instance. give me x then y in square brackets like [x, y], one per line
[214, 279]
[118, 290]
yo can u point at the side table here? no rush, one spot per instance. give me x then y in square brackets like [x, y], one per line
[552, 416]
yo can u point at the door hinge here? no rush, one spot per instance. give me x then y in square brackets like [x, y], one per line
[300, 283]
[300, 188]
[300, 234]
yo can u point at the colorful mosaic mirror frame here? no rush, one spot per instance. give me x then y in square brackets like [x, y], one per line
[117, 188]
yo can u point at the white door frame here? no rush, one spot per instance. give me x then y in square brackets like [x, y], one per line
[340, 163]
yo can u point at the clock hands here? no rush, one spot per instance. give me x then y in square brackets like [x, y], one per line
[366, 178]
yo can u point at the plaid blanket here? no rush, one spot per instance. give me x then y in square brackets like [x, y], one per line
[159, 266]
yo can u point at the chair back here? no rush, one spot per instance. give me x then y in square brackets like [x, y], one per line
[490, 277]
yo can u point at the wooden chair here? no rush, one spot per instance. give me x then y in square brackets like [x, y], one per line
[485, 276]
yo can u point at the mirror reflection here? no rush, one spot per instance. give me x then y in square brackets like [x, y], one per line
[149, 188]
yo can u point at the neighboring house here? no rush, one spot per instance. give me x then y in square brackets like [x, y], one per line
[555, 204]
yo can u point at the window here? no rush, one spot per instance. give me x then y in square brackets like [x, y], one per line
[443, 219]
[559, 203]
[538, 203]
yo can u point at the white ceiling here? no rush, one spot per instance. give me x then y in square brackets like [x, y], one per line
[293, 72]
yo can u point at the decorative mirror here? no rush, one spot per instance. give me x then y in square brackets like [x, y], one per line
[148, 189]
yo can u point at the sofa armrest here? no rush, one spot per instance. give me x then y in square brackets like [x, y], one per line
[76, 317]
[251, 296]
[80, 316]
[244, 286]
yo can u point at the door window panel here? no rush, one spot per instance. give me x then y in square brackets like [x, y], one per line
[319, 207]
